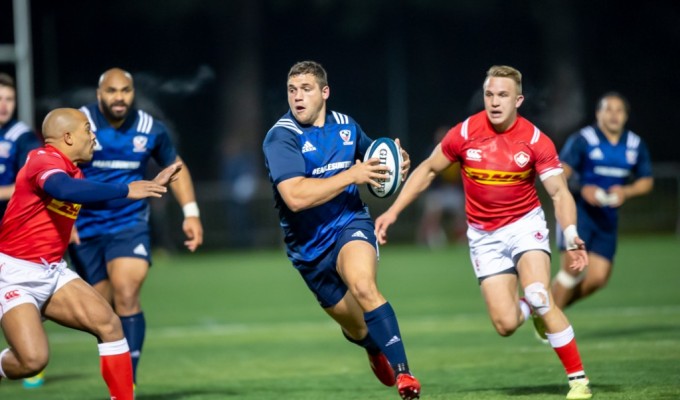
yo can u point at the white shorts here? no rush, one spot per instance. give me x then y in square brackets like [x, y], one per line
[495, 252]
[24, 282]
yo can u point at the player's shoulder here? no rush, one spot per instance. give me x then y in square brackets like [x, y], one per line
[17, 130]
[286, 126]
[339, 118]
[145, 123]
[633, 140]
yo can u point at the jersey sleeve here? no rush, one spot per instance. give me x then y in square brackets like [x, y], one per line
[452, 142]
[164, 152]
[574, 151]
[41, 165]
[363, 142]
[283, 155]
[643, 167]
[547, 161]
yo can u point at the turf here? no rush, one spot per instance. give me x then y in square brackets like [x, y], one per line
[244, 326]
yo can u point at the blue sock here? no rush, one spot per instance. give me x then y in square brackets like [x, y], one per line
[134, 328]
[384, 329]
[367, 343]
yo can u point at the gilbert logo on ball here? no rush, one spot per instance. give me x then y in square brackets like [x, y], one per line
[389, 154]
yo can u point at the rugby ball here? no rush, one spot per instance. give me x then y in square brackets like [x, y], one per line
[389, 154]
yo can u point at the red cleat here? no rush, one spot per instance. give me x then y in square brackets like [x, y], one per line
[382, 369]
[408, 387]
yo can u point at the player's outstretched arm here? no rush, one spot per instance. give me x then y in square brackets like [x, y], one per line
[419, 181]
[169, 174]
[143, 189]
[565, 213]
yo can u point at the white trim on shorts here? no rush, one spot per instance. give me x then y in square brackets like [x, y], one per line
[494, 252]
[24, 282]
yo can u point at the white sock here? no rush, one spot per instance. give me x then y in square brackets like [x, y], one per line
[524, 307]
[2, 354]
[561, 339]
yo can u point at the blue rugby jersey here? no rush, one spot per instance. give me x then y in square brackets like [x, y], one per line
[121, 156]
[315, 152]
[596, 161]
[16, 140]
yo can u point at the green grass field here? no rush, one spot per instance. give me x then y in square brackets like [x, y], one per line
[244, 326]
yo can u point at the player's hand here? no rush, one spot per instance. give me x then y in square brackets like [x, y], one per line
[75, 238]
[616, 196]
[382, 223]
[588, 194]
[370, 172]
[143, 189]
[578, 258]
[193, 229]
[406, 165]
[169, 174]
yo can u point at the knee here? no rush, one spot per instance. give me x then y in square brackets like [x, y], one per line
[505, 326]
[366, 293]
[538, 298]
[109, 328]
[32, 363]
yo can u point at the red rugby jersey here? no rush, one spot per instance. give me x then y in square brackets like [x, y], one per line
[35, 224]
[499, 169]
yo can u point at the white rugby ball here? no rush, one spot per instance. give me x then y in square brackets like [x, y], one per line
[389, 154]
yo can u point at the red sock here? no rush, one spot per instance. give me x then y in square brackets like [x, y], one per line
[117, 369]
[564, 344]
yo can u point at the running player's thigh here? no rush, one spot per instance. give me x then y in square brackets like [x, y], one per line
[127, 271]
[534, 266]
[357, 262]
[77, 305]
[24, 331]
[500, 294]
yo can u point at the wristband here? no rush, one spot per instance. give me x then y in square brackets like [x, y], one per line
[190, 210]
[570, 236]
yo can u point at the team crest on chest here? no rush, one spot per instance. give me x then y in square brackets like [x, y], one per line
[346, 135]
[139, 144]
[4, 149]
[521, 159]
[631, 156]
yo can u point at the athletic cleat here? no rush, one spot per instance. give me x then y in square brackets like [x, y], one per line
[382, 369]
[579, 389]
[34, 382]
[539, 328]
[408, 387]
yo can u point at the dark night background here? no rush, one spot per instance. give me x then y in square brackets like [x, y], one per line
[215, 71]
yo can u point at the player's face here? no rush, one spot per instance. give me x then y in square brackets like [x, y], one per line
[7, 104]
[115, 95]
[84, 139]
[307, 100]
[501, 102]
[612, 115]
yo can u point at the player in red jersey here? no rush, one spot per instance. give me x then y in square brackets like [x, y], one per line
[34, 279]
[501, 154]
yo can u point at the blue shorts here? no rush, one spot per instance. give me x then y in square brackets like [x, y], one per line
[92, 254]
[599, 240]
[322, 277]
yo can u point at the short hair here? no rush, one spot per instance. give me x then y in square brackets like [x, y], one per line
[506, 71]
[6, 80]
[624, 100]
[312, 68]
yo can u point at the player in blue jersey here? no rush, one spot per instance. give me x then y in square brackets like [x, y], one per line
[313, 158]
[608, 164]
[112, 247]
[16, 140]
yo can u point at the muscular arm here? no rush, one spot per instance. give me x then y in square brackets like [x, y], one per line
[419, 181]
[183, 190]
[301, 193]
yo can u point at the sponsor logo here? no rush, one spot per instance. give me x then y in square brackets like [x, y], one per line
[140, 250]
[4, 149]
[359, 234]
[596, 154]
[307, 147]
[491, 177]
[331, 167]
[346, 135]
[139, 144]
[115, 164]
[12, 294]
[392, 341]
[521, 159]
[473, 155]
[64, 208]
